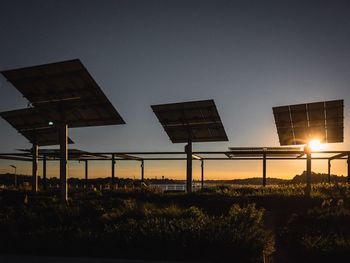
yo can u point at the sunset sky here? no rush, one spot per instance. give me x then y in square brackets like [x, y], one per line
[246, 55]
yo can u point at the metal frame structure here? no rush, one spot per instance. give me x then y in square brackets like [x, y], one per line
[189, 122]
[61, 94]
[263, 154]
[64, 94]
[300, 123]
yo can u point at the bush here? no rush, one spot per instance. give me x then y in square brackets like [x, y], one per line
[160, 232]
[321, 233]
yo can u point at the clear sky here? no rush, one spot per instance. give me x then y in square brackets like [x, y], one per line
[246, 55]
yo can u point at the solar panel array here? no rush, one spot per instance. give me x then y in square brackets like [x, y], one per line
[65, 89]
[297, 124]
[260, 149]
[268, 151]
[60, 93]
[32, 126]
[195, 120]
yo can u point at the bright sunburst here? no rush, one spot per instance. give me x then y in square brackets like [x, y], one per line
[316, 145]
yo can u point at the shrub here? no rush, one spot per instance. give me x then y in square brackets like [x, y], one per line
[321, 233]
[89, 228]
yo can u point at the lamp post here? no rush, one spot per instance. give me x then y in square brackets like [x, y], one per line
[13, 166]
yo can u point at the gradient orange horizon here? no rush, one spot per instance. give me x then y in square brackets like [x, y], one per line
[214, 170]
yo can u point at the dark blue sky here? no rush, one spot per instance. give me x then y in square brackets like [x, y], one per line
[246, 55]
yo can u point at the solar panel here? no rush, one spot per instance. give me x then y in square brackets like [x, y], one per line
[128, 157]
[297, 124]
[43, 137]
[31, 127]
[82, 116]
[253, 151]
[260, 149]
[255, 155]
[65, 90]
[195, 120]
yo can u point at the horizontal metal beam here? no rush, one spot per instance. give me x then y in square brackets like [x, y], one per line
[13, 154]
[338, 156]
[207, 159]
[128, 157]
[4, 157]
[177, 159]
[219, 152]
[131, 156]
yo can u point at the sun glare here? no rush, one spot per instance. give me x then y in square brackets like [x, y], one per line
[316, 145]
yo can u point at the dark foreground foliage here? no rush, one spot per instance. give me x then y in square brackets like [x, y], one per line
[218, 224]
[321, 234]
[131, 229]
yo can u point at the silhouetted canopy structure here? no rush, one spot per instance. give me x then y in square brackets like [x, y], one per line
[42, 117]
[64, 92]
[198, 121]
[188, 122]
[62, 95]
[297, 124]
[32, 128]
[43, 137]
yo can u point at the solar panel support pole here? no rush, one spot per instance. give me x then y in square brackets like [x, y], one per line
[44, 172]
[86, 171]
[202, 173]
[308, 170]
[188, 150]
[113, 170]
[142, 170]
[35, 168]
[63, 138]
[348, 161]
[329, 171]
[264, 169]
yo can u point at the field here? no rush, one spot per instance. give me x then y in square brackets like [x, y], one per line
[222, 223]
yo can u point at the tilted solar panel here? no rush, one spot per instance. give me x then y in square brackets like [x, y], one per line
[195, 120]
[82, 116]
[297, 124]
[43, 137]
[32, 126]
[65, 90]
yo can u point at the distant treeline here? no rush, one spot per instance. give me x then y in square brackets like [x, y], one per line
[250, 181]
[8, 179]
[318, 178]
[297, 179]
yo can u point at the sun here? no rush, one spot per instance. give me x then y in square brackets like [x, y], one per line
[316, 145]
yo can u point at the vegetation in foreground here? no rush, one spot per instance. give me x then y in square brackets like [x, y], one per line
[217, 224]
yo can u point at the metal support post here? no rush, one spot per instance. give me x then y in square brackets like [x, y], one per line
[202, 173]
[35, 168]
[44, 173]
[86, 171]
[142, 170]
[188, 150]
[63, 137]
[264, 169]
[329, 171]
[308, 171]
[348, 161]
[113, 169]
